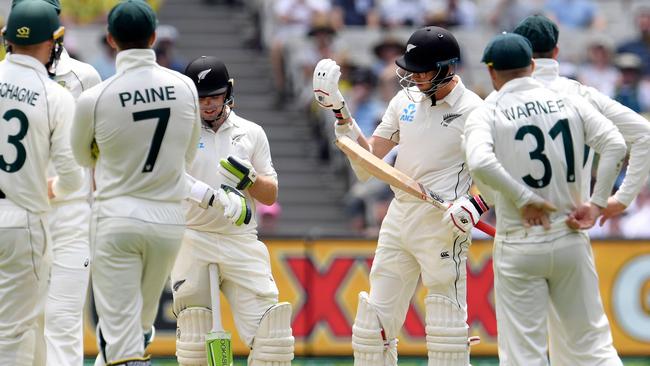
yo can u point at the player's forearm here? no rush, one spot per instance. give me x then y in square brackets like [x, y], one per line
[637, 171]
[265, 190]
[608, 168]
[379, 146]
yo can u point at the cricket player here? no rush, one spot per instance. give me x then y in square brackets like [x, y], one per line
[140, 129]
[232, 151]
[543, 35]
[69, 222]
[527, 144]
[426, 120]
[37, 115]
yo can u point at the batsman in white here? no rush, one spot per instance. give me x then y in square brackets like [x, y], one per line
[426, 119]
[69, 222]
[139, 129]
[543, 35]
[527, 144]
[232, 151]
[37, 115]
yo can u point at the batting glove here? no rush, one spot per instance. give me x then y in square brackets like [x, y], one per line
[350, 130]
[465, 213]
[238, 171]
[234, 204]
[326, 84]
[202, 194]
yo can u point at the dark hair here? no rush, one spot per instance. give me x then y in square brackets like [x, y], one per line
[547, 54]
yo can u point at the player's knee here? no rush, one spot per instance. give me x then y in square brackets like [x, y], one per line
[369, 341]
[192, 325]
[273, 343]
[447, 331]
[187, 295]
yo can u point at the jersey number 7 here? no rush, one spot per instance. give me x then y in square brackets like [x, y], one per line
[162, 115]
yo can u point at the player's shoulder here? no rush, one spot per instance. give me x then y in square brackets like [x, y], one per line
[86, 73]
[178, 78]
[246, 124]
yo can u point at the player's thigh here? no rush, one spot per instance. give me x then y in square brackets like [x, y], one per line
[190, 276]
[245, 261]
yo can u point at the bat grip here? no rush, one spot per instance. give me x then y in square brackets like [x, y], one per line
[214, 296]
[486, 228]
[343, 113]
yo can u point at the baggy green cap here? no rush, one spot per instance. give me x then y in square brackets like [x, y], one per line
[55, 3]
[31, 22]
[540, 31]
[132, 20]
[508, 51]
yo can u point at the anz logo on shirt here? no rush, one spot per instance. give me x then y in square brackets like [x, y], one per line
[408, 113]
[201, 145]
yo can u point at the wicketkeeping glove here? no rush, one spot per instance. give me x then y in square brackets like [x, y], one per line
[465, 213]
[235, 206]
[238, 171]
[326, 84]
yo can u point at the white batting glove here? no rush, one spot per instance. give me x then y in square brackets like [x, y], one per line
[326, 84]
[238, 171]
[465, 213]
[202, 194]
[234, 204]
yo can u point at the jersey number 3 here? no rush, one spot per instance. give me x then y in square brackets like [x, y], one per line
[162, 115]
[560, 128]
[15, 140]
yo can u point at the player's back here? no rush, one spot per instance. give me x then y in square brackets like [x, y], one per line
[35, 111]
[145, 118]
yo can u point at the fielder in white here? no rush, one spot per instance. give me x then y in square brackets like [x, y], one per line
[69, 222]
[139, 129]
[527, 144]
[232, 151]
[543, 35]
[37, 114]
[426, 119]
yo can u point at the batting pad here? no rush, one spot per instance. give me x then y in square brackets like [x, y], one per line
[447, 332]
[368, 338]
[192, 326]
[273, 342]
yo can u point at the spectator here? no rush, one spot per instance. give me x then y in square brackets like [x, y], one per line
[104, 63]
[575, 13]
[504, 15]
[397, 13]
[452, 13]
[364, 105]
[386, 52]
[268, 217]
[355, 13]
[640, 46]
[632, 91]
[599, 71]
[166, 36]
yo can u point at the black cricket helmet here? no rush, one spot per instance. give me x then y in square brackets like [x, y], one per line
[429, 49]
[211, 78]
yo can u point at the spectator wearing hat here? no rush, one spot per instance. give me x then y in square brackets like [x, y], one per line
[355, 13]
[599, 71]
[632, 90]
[542, 206]
[166, 36]
[641, 45]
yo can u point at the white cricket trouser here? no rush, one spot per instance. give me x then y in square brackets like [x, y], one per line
[413, 241]
[244, 270]
[534, 280]
[69, 227]
[131, 261]
[24, 272]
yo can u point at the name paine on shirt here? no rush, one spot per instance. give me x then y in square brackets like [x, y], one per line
[17, 93]
[148, 95]
[537, 107]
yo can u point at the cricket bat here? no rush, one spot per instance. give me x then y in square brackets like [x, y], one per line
[218, 342]
[388, 174]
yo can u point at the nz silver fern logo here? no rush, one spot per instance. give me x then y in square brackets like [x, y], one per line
[408, 113]
[202, 75]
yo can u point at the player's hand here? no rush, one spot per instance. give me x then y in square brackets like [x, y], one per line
[613, 208]
[238, 171]
[50, 188]
[583, 217]
[349, 129]
[234, 204]
[465, 213]
[537, 214]
[326, 84]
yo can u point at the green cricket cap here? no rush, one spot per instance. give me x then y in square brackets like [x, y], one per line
[508, 51]
[31, 22]
[132, 20]
[55, 3]
[540, 31]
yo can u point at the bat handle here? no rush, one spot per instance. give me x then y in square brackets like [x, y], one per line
[486, 228]
[214, 295]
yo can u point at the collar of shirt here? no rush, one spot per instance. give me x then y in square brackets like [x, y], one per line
[455, 93]
[520, 84]
[135, 57]
[232, 121]
[546, 69]
[64, 67]
[27, 61]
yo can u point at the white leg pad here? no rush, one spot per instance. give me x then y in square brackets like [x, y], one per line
[447, 332]
[192, 326]
[273, 342]
[371, 348]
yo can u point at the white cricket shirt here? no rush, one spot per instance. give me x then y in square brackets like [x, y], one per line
[36, 115]
[429, 139]
[145, 120]
[528, 139]
[242, 138]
